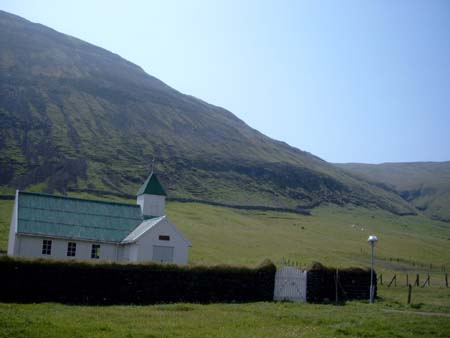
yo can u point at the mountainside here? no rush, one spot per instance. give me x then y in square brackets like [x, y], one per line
[426, 185]
[76, 117]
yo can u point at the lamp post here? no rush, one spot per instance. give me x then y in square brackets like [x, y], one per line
[372, 239]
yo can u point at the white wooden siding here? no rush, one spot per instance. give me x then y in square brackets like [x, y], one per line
[152, 205]
[150, 238]
[163, 254]
[31, 246]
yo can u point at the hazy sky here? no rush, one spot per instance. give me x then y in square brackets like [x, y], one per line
[349, 81]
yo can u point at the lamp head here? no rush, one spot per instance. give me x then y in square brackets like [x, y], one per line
[372, 239]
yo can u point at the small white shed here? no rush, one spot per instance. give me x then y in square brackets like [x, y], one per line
[65, 228]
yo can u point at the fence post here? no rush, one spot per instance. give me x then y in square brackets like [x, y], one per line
[409, 293]
[429, 279]
[426, 281]
[392, 280]
[446, 280]
[407, 281]
[417, 280]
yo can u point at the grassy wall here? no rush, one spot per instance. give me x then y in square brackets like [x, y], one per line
[350, 283]
[108, 283]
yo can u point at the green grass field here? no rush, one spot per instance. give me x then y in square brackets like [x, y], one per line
[334, 236]
[277, 319]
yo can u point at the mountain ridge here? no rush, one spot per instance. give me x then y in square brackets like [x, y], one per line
[426, 185]
[76, 116]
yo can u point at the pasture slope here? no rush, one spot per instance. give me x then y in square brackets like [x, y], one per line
[331, 235]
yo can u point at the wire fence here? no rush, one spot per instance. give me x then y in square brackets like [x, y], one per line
[421, 280]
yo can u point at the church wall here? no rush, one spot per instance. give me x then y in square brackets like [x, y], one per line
[152, 237]
[12, 248]
[31, 246]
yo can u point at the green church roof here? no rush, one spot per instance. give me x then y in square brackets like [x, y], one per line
[152, 186]
[58, 216]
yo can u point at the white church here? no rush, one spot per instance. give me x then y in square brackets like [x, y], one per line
[58, 227]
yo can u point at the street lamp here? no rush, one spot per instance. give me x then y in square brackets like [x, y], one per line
[372, 239]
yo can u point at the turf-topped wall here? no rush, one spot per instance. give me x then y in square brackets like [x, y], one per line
[351, 283]
[107, 283]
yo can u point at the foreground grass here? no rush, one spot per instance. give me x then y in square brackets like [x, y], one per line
[355, 319]
[427, 299]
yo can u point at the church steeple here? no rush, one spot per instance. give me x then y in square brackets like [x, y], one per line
[151, 196]
[152, 186]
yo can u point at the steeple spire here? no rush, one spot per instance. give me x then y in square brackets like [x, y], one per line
[152, 165]
[152, 186]
[151, 196]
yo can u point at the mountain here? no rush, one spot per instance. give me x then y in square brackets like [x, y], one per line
[76, 117]
[426, 185]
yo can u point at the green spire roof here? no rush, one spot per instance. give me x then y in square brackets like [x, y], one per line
[151, 186]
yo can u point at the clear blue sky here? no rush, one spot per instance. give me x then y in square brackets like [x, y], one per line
[349, 81]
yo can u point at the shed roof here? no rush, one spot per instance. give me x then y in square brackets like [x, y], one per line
[152, 186]
[142, 228]
[149, 225]
[58, 216]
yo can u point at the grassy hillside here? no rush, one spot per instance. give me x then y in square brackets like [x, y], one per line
[75, 117]
[332, 235]
[426, 185]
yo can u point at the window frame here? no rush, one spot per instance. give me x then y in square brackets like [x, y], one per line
[46, 247]
[95, 251]
[71, 249]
